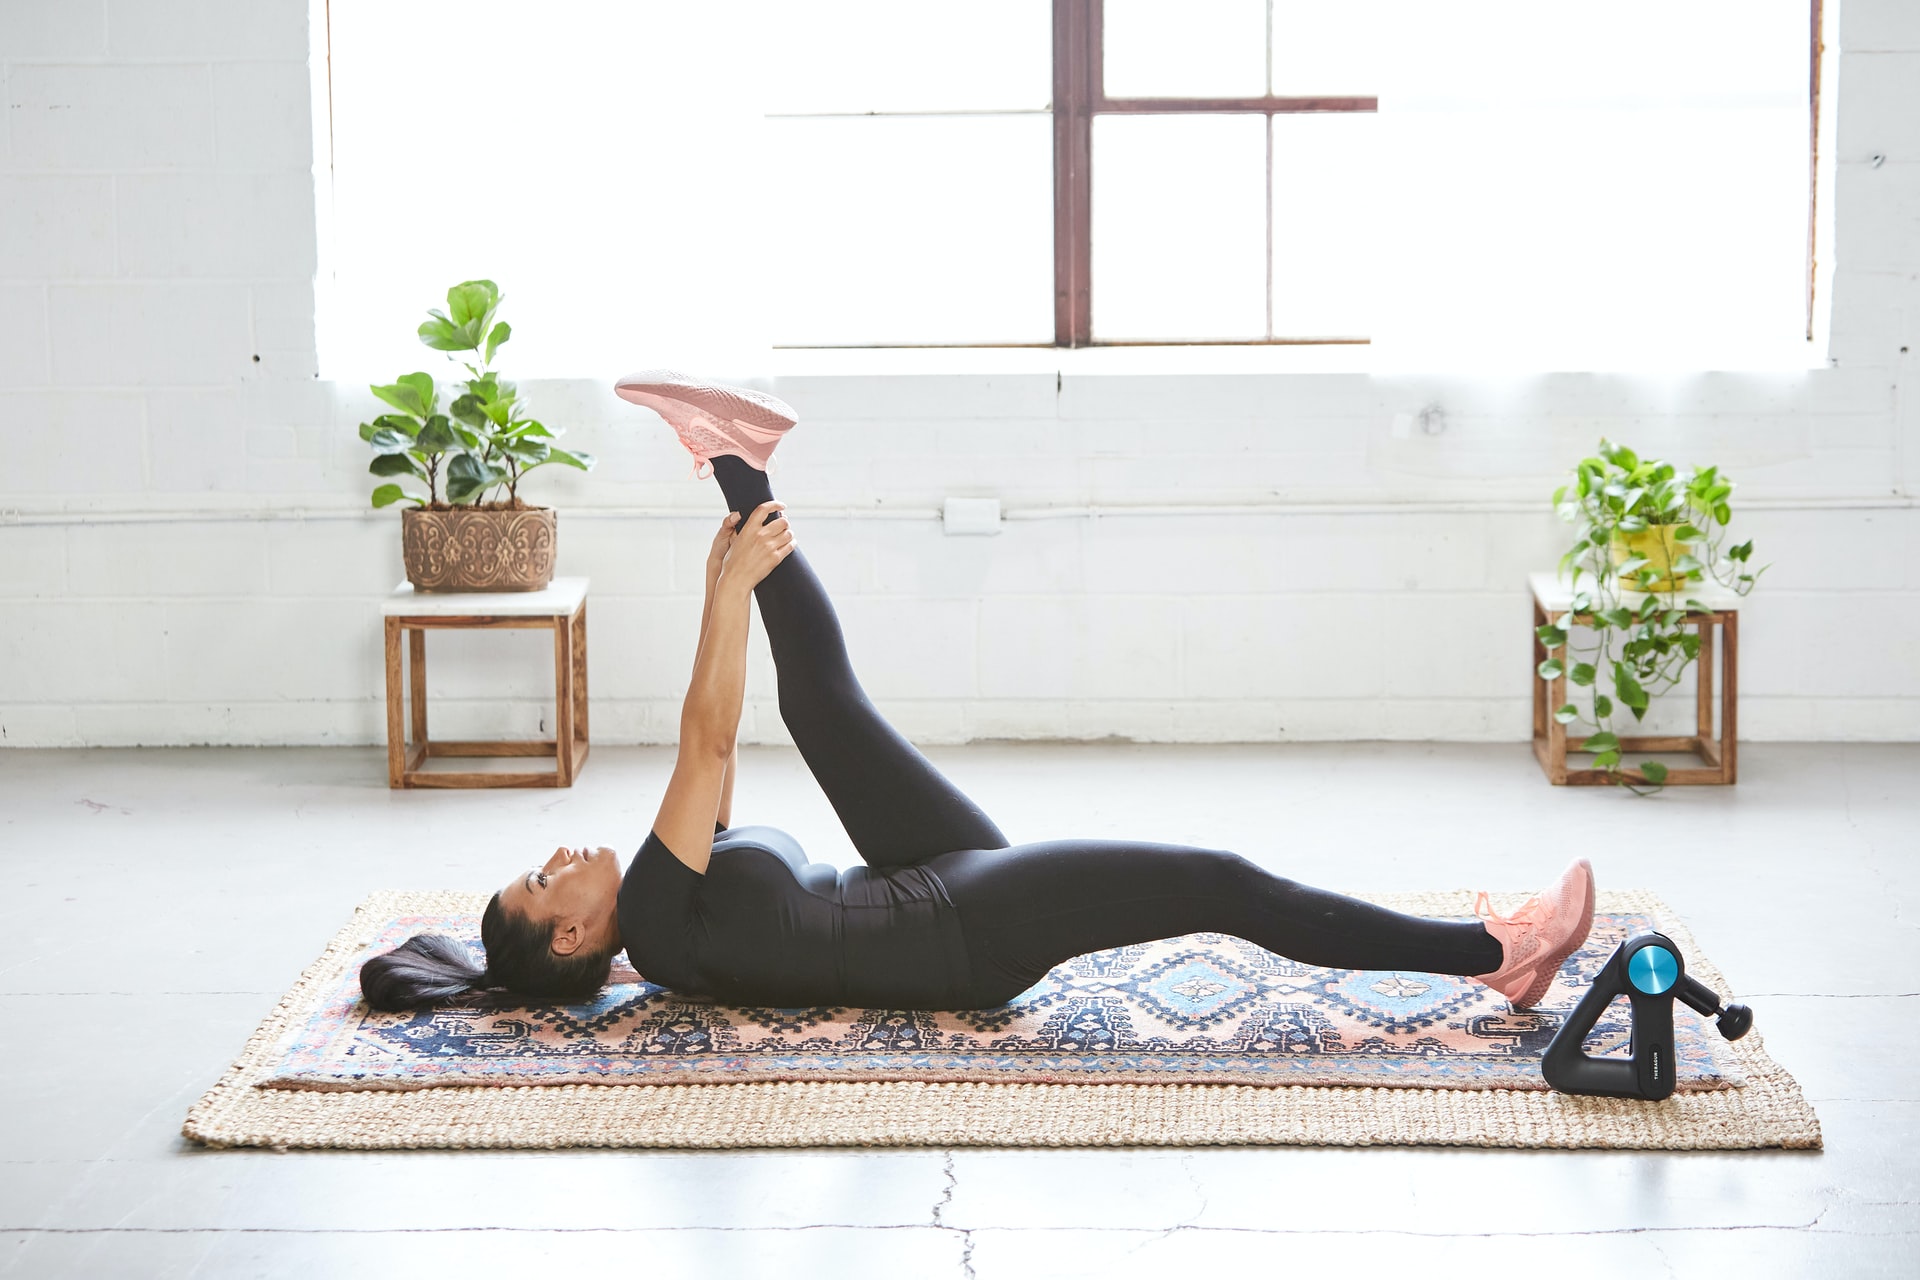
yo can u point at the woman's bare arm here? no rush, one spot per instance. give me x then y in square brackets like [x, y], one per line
[716, 557]
[710, 717]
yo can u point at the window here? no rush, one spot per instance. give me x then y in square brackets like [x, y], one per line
[1524, 183]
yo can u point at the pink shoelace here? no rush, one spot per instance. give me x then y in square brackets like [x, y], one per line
[1534, 911]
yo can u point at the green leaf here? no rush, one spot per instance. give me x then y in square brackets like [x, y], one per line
[471, 410]
[1633, 524]
[530, 452]
[1550, 669]
[1582, 674]
[436, 436]
[1600, 742]
[443, 334]
[1615, 617]
[1602, 705]
[501, 332]
[1606, 759]
[1722, 512]
[1741, 552]
[1550, 635]
[422, 386]
[573, 458]
[1567, 714]
[388, 441]
[468, 477]
[1653, 771]
[397, 464]
[472, 300]
[406, 395]
[1631, 565]
[1687, 564]
[535, 430]
[366, 430]
[388, 494]
[1687, 533]
[1628, 689]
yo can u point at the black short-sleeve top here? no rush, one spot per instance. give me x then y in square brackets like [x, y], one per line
[765, 926]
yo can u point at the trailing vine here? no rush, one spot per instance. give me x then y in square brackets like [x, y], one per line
[1644, 533]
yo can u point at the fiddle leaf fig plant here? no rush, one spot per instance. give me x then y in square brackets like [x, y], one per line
[1644, 532]
[486, 441]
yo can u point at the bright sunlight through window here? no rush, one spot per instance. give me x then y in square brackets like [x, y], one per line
[1546, 185]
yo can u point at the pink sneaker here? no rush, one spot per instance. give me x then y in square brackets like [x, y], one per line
[1539, 936]
[712, 419]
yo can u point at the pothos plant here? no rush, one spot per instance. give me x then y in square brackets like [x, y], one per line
[1650, 531]
[484, 443]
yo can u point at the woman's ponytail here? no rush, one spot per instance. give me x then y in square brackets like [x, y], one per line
[430, 967]
[426, 968]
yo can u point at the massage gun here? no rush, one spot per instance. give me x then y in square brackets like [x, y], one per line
[1649, 972]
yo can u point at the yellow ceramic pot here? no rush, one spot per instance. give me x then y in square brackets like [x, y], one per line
[1657, 544]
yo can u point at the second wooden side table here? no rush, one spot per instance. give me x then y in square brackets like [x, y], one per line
[1553, 602]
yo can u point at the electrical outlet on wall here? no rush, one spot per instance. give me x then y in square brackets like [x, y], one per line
[972, 515]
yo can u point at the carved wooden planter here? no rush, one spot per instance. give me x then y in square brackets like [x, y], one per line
[478, 550]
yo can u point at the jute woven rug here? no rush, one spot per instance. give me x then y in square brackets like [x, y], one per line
[1197, 1040]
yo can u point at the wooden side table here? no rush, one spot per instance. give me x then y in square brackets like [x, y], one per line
[561, 606]
[1553, 601]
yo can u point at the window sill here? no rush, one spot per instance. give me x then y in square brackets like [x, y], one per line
[1086, 361]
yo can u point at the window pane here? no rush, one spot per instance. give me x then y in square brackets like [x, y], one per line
[1325, 241]
[1334, 49]
[913, 229]
[883, 55]
[1194, 49]
[1586, 239]
[1179, 226]
[584, 196]
[1636, 200]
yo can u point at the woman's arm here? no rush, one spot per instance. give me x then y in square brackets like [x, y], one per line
[717, 557]
[710, 717]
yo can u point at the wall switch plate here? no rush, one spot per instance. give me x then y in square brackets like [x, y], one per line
[972, 515]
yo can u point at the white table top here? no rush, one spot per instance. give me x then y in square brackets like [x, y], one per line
[1555, 593]
[558, 598]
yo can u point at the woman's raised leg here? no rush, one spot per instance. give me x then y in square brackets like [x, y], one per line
[897, 808]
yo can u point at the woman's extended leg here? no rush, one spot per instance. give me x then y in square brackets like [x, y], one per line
[1027, 908]
[897, 808]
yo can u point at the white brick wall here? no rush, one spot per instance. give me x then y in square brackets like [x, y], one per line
[185, 554]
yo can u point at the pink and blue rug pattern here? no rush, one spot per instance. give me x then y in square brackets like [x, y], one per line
[1204, 1008]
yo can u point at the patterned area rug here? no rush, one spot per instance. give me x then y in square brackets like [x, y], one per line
[1201, 1008]
[1139, 1046]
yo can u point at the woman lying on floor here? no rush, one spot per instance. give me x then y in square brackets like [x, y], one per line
[945, 914]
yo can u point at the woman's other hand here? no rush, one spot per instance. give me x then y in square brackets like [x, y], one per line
[758, 547]
[717, 553]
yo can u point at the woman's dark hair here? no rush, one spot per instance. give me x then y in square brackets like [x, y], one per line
[429, 967]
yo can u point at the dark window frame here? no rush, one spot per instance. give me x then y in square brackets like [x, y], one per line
[1079, 94]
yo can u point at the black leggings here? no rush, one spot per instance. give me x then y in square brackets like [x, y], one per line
[1025, 908]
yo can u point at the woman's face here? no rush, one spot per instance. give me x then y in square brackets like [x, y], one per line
[577, 890]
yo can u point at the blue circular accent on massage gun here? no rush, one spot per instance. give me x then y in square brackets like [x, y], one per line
[1653, 970]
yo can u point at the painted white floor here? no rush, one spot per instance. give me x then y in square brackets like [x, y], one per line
[158, 902]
